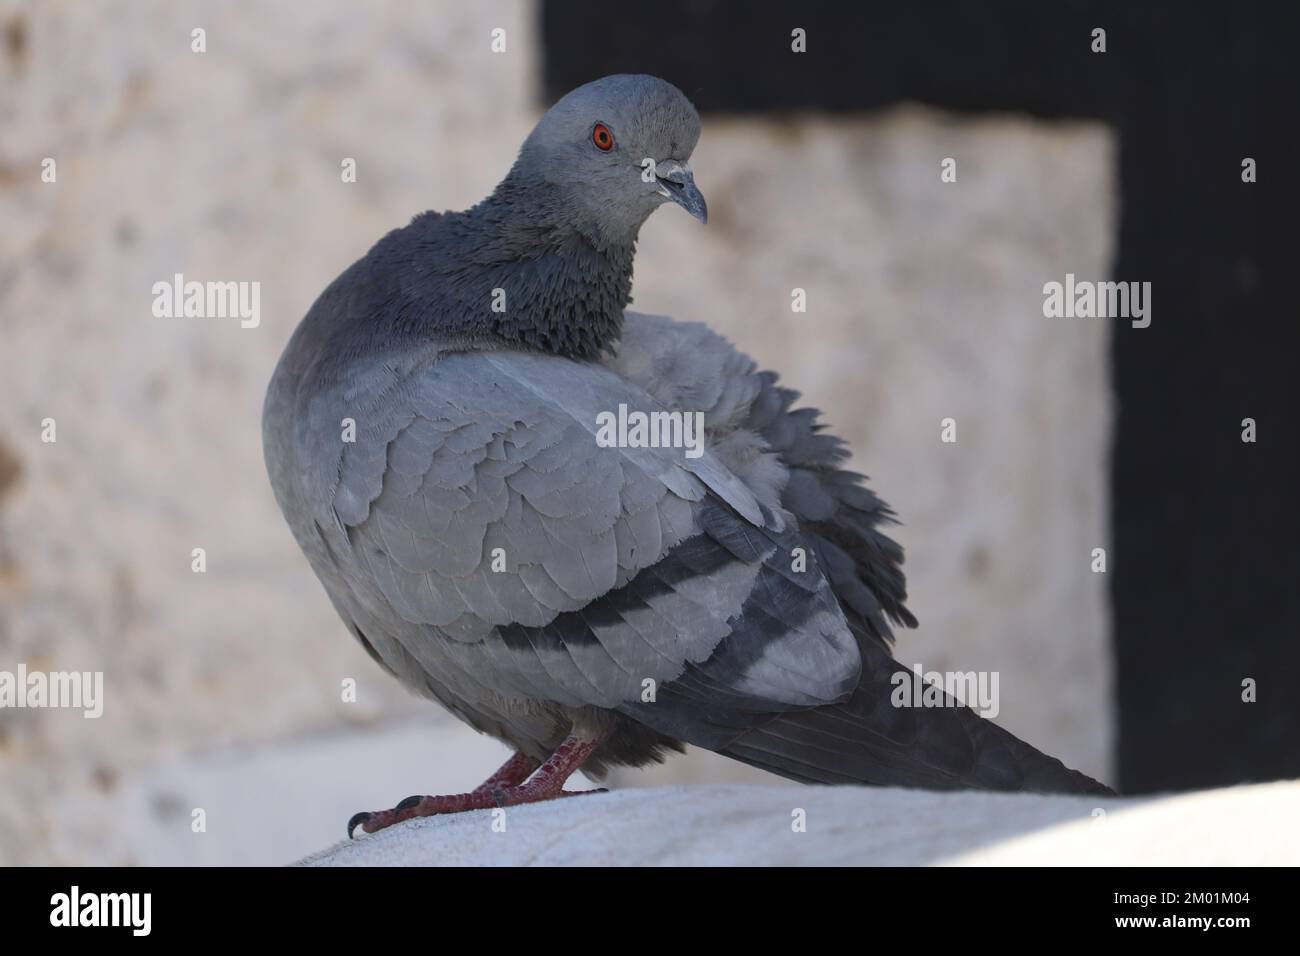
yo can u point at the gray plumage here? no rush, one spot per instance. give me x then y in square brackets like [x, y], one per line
[489, 554]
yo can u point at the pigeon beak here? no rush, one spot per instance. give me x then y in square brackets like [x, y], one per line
[676, 182]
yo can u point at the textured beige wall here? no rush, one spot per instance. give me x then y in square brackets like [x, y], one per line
[924, 302]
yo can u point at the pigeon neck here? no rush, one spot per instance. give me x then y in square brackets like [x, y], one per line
[547, 286]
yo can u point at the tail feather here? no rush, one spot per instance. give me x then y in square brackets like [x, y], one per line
[866, 740]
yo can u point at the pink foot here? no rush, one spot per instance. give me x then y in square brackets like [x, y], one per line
[505, 788]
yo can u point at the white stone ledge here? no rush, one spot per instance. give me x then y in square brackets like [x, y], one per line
[751, 825]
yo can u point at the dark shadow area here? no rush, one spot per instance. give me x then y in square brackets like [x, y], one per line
[1206, 528]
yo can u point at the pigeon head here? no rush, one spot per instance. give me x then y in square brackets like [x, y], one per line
[611, 152]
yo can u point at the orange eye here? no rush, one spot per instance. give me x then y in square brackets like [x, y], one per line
[602, 137]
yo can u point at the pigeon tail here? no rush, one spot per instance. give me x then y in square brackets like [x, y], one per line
[866, 740]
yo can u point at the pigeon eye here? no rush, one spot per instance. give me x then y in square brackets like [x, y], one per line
[602, 137]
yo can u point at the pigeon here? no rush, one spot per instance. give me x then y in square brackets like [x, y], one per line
[598, 535]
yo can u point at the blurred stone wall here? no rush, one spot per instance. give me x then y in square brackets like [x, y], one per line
[924, 302]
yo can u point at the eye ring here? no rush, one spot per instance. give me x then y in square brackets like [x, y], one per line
[603, 137]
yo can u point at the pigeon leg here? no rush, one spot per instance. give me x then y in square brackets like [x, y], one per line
[505, 788]
[510, 774]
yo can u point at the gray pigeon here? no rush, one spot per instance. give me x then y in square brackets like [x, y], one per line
[438, 434]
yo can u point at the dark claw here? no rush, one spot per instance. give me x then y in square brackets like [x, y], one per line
[409, 802]
[356, 821]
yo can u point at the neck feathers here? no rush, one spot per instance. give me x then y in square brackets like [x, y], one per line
[521, 277]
